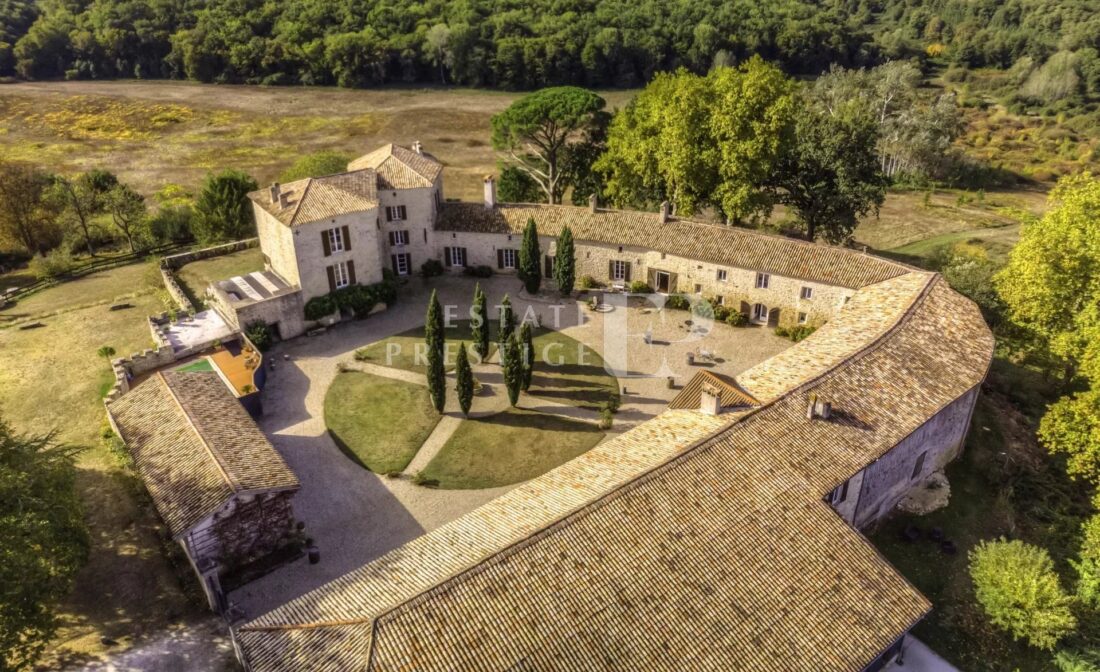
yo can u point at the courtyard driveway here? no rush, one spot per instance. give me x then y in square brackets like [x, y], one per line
[355, 516]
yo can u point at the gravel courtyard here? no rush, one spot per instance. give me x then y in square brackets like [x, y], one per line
[354, 515]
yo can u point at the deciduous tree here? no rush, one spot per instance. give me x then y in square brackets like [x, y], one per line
[28, 213]
[434, 338]
[565, 262]
[222, 210]
[127, 208]
[43, 541]
[1018, 588]
[534, 132]
[316, 164]
[529, 258]
[84, 197]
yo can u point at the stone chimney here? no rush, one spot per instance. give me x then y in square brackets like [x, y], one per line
[490, 192]
[275, 190]
[664, 212]
[593, 203]
[417, 147]
[818, 408]
[284, 199]
[710, 400]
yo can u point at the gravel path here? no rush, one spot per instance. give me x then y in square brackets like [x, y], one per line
[202, 646]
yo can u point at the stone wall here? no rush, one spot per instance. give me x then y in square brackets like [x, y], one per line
[886, 480]
[174, 261]
[247, 527]
[420, 211]
[127, 368]
[175, 291]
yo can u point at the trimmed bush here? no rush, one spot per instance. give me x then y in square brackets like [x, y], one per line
[588, 282]
[1017, 587]
[479, 271]
[431, 268]
[677, 302]
[796, 333]
[320, 307]
[737, 319]
[640, 287]
[260, 334]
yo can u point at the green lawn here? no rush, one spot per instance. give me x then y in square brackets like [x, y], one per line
[508, 448]
[378, 422]
[196, 276]
[197, 366]
[566, 370]
[1001, 485]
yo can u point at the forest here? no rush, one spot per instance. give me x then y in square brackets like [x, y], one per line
[527, 45]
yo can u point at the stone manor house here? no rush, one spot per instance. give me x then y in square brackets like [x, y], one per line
[723, 533]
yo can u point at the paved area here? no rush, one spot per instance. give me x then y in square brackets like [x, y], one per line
[355, 516]
[198, 331]
[201, 646]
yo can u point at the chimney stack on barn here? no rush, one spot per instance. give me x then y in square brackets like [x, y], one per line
[710, 400]
[664, 212]
[593, 203]
[284, 199]
[490, 192]
[818, 408]
[275, 190]
[417, 147]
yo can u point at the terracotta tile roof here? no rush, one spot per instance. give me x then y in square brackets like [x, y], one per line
[195, 446]
[316, 198]
[732, 396]
[399, 168]
[726, 245]
[646, 555]
[866, 317]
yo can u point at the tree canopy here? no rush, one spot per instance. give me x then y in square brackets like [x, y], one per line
[534, 132]
[43, 541]
[316, 164]
[222, 209]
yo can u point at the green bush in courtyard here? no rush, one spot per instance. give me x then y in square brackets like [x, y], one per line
[529, 256]
[640, 287]
[319, 307]
[507, 319]
[795, 333]
[464, 386]
[527, 351]
[260, 334]
[677, 302]
[479, 322]
[565, 262]
[431, 268]
[511, 363]
[1017, 587]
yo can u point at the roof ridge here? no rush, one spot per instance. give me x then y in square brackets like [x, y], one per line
[629, 483]
[230, 480]
[301, 199]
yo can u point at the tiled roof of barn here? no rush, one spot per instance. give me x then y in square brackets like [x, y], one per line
[642, 555]
[732, 395]
[195, 446]
[400, 168]
[723, 245]
[316, 198]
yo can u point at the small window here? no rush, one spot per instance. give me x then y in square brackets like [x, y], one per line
[509, 258]
[336, 239]
[340, 274]
[918, 468]
[807, 293]
[763, 280]
[802, 318]
[399, 238]
[840, 494]
[720, 300]
[618, 270]
[721, 275]
[395, 213]
[698, 288]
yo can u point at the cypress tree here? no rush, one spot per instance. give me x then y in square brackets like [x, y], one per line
[433, 336]
[480, 324]
[527, 351]
[507, 319]
[465, 376]
[529, 256]
[565, 263]
[512, 367]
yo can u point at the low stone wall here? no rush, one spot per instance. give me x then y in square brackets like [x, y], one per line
[175, 291]
[127, 368]
[174, 261]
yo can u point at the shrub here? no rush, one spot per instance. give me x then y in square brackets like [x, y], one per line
[606, 419]
[614, 401]
[1017, 587]
[319, 307]
[431, 268]
[795, 333]
[482, 271]
[677, 302]
[640, 287]
[737, 319]
[260, 334]
[55, 264]
[588, 282]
